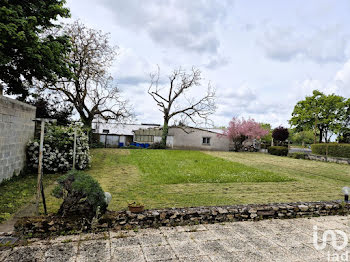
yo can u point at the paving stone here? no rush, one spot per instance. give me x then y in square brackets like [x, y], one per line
[204, 235]
[251, 255]
[186, 249]
[237, 244]
[4, 254]
[155, 253]
[304, 252]
[94, 250]
[273, 240]
[195, 259]
[278, 254]
[213, 247]
[127, 254]
[124, 242]
[152, 239]
[179, 236]
[61, 252]
[25, 254]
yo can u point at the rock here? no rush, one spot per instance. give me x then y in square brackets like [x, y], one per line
[155, 213]
[140, 216]
[222, 211]
[303, 207]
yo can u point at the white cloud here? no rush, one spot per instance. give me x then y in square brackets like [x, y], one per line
[190, 25]
[287, 43]
[342, 80]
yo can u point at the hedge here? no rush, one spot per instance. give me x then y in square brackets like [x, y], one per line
[278, 150]
[334, 149]
[297, 155]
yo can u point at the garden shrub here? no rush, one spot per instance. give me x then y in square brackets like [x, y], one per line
[334, 149]
[82, 195]
[297, 155]
[58, 149]
[278, 150]
[280, 134]
[157, 145]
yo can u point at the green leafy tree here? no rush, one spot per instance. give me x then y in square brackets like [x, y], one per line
[302, 137]
[267, 138]
[49, 106]
[324, 114]
[28, 48]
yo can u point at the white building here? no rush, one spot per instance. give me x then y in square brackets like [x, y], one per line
[117, 134]
[186, 138]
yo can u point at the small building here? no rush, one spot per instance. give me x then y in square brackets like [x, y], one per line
[185, 137]
[117, 134]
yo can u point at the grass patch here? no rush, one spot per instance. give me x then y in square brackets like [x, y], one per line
[19, 191]
[178, 167]
[158, 179]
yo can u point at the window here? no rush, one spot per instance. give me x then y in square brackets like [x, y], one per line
[106, 131]
[206, 141]
[93, 130]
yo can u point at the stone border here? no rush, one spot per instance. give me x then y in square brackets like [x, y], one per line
[53, 225]
[339, 160]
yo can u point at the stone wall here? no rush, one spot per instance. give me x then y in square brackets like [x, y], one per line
[338, 160]
[16, 128]
[51, 225]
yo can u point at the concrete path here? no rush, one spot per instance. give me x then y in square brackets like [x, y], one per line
[300, 150]
[269, 240]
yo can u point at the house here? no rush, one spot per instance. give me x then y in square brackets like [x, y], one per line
[185, 137]
[113, 134]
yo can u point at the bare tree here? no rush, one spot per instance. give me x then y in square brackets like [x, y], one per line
[174, 100]
[90, 89]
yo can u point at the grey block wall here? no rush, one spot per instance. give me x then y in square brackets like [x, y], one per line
[16, 129]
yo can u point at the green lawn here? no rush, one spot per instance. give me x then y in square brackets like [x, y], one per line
[18, 192]
[169, 178]
[172, 178]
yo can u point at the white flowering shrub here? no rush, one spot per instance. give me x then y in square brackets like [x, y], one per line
[58, 149]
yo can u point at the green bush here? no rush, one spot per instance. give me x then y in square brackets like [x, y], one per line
[297, 155]
[278, 150]
[81, 194]
[334, 149]
[157, 145]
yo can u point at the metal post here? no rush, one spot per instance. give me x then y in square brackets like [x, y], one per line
[74, 146]
[40, 166]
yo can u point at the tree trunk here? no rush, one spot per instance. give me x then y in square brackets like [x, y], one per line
[320, 140]
[165, 131]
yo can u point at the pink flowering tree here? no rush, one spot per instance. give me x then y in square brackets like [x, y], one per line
[241, 129]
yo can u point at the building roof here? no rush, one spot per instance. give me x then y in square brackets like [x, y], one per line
[120, 128]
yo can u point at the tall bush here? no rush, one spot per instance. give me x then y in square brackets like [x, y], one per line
[334, 149]
[58, 149]
[280, 134]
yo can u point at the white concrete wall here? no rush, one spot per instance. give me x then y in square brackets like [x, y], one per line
[192, 139]
[169, 140]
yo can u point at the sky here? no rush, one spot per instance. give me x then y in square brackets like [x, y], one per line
[261, 56]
